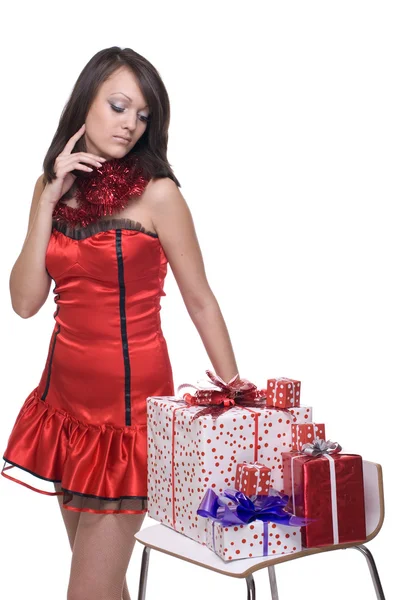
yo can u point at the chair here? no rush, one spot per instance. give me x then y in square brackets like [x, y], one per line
[166, 540]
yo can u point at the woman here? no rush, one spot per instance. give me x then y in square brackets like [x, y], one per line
[106, 218]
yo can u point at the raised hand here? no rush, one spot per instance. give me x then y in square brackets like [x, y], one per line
[66, 162]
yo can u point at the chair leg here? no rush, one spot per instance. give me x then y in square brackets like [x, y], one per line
[144, 573]
[250, 583]
[273, 582]
[373, 571]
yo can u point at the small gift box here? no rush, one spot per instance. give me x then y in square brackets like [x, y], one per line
[283, 392]
[239, 528]
[327, 487]
[252, 478]
[305, 433]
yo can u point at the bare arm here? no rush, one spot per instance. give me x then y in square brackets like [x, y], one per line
[29, 280]
[173, 223]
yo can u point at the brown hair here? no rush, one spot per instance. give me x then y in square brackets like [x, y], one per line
[151, 148]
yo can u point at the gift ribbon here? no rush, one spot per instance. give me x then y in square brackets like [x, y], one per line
[241, 393]
[321, 449]
[221, 393]
[243, 511]
[233, 507]
[173, 463]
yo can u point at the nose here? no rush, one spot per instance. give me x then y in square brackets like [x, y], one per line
[130, 121]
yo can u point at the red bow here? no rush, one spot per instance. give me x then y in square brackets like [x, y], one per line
[236, 391]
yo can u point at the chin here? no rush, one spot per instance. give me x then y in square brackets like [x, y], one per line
[113, 154]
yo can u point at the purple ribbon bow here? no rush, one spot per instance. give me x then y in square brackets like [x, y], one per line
[265, 508]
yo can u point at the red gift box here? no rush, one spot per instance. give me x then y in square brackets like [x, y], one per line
[305, 433]
[283, 392]
[252, 478]
[328, 489]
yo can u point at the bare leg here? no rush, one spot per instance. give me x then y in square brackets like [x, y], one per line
[102, 550]
[125, 595]
[71, 520]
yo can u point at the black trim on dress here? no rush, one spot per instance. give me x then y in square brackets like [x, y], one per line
[50, 360]
[105, 497]
[123, 328]
[28, 471]
[81, 233]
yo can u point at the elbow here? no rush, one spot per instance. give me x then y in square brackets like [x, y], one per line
[196, 305]
[27, 301]
[25, 315]
[24, 312]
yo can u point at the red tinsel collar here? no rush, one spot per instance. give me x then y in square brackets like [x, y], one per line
[103, 191]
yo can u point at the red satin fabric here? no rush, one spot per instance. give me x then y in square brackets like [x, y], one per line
[312, 491]
[84, 425]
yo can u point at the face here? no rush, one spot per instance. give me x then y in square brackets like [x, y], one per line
[119, 109]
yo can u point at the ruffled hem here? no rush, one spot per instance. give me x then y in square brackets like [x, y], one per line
[96, 468]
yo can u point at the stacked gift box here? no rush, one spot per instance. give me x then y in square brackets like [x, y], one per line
[327, 487]
[258, 462]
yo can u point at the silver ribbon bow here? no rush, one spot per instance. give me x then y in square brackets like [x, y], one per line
[319, 447]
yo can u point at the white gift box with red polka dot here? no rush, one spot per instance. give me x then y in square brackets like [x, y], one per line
[204, 453]
[246, 541]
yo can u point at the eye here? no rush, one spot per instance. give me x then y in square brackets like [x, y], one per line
[118, 109]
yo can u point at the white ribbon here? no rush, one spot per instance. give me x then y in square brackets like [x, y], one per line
[333, 487]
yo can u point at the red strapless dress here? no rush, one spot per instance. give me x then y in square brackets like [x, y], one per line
[84, 425]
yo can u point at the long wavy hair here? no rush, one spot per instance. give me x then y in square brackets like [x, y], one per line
[151, 148]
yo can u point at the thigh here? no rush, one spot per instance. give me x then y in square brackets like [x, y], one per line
[70, 518]
[102, 551]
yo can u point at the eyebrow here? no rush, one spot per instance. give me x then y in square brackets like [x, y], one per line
[113, 94]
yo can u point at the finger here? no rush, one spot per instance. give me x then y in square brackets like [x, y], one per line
[83, 155]
[73, 140]
[74, 167]
[69, 159]
[82, 168]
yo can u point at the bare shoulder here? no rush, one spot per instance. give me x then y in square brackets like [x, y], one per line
[162, 190]
[165, 203]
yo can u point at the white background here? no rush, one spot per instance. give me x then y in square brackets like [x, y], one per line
[285, 136]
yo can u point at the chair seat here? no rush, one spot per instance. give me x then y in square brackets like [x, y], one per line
[164, 539]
